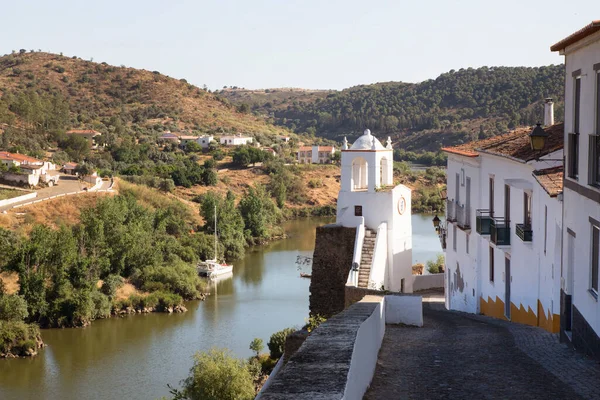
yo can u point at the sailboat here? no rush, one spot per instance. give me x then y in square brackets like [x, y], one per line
[212, 268]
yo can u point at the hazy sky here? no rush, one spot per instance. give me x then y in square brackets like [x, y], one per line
[290, 43]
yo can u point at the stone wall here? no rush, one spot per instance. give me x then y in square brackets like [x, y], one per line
[353, 294]
[293, 343]
[332, 260]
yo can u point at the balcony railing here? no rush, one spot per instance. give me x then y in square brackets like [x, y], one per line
[463, 217]
[500, 231]
[483, 221]
[524, 232]
[450, 210]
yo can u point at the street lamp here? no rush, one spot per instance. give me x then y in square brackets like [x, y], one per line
[537, 138]
[436, 222]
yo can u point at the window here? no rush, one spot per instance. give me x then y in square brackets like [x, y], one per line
[577, 104]
[454, 237]
[507, 203]
[545, 227]
[527, 210]
[462, 177]
[573, 155]
[467, 243]
[457, 183]
[595, 258]
[491, 197]
[491, 264]
[358, 211]
[594, 171]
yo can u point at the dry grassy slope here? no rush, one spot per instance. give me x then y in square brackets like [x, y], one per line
[279, 98]
[107, 87]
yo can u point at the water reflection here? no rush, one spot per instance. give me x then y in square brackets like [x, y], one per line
[134, 357]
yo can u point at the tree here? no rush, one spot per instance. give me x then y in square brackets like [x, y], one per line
[277, 342]
[84, 169]
[436, 266]
[13, 307]
[217, 375]
[257, 346]
[241, 157]
[258, 211]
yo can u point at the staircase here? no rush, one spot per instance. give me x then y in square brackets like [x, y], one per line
[366, 258]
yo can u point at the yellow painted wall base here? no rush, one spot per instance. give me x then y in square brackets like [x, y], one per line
[495, 308]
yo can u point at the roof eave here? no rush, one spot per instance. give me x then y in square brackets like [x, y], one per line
[576, 36]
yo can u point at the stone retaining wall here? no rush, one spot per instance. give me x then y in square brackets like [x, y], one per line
[17, 199]
[332, 260]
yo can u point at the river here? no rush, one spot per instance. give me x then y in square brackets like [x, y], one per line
[135, 357]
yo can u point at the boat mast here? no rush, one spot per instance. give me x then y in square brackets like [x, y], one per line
[215, 233]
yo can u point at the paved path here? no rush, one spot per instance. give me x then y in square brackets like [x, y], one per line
[464, 356]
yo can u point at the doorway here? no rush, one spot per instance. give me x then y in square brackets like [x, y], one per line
[507, 279]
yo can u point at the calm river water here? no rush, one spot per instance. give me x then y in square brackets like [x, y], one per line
[136, 357]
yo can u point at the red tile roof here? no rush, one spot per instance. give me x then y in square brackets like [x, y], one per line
[514, 145]
[5, 155]
[305, 148]
[551, 179]
[83, 132]
[584, 32]
[325, 148]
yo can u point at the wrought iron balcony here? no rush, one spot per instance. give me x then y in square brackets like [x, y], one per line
[500, 231]
[463, 217]
[483, 219]
[450, 210]
[524, 232]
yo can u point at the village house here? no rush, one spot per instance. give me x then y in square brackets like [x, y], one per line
[235, 140]
[169, 136]
[87, 134]
[30, 171]
[315, 154]
[579, 289]
[503, 226]
[205, 141]
[285, 139]
[269, 150]
[185, 139]
[69, 168]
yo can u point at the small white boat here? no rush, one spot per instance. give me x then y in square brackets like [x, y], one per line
[213, 268]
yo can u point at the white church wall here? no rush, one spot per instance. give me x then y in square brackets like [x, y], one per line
[379, 265]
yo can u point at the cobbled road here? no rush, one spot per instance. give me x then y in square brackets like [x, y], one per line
[464, 356]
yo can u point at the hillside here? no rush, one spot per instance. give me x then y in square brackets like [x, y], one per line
[49, 93]
[456, 106]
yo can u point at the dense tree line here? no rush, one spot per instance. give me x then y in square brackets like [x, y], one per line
[513, 94]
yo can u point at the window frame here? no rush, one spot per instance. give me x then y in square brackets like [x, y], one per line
[491, 264]
[594, 276]
[527, 205]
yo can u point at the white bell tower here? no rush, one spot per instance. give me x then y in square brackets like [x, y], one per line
[368, 198]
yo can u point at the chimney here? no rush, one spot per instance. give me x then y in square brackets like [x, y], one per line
[548, 112]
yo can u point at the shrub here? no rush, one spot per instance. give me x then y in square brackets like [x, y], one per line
[18, 337]
[101, 305]
[111, 284]
[436, 266]
[217, 375]
[13, 307]
[314, 321]
[179, 278]
[277, 342]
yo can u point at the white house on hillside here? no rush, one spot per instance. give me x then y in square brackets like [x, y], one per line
[580, 307]
[381, 213]
[31, 171]
[235, 140]
[315, 154]
[205, 140]
[503, 227]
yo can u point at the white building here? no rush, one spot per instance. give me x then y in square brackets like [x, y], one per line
[381, 213]
[580, 309]
[315, 154]
[31, 171]
[503, 224]
[185, 139]
[204, 141]
[235, 140]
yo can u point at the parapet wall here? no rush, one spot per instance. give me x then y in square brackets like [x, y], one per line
[332, 261]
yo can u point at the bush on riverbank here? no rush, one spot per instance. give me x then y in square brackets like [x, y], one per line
[19, 339]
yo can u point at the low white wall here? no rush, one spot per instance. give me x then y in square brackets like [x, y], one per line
[14, 200]
[365, 352]
[380, 258]
[406, 310]
[422, 282]
[358, 244]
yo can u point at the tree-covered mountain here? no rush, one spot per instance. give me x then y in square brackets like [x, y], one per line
[44, 94]
[456, 106]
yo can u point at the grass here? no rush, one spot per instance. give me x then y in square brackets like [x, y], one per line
[10, 193]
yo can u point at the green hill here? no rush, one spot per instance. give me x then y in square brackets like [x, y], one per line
[456, 106]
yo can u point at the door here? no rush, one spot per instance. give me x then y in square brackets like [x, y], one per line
[507, 279]
[506, 203]
[491, 197]
[468, 203]
[569, 281]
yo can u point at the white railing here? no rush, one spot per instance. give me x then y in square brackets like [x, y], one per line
[358, 245]
[380, 258]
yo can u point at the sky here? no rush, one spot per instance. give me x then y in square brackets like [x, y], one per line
[326, 44]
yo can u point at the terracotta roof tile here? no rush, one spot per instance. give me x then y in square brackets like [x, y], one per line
[18, 157]
[551, 179]
[587, 30]
[513, 145]
[305, 148]
[325, 148]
